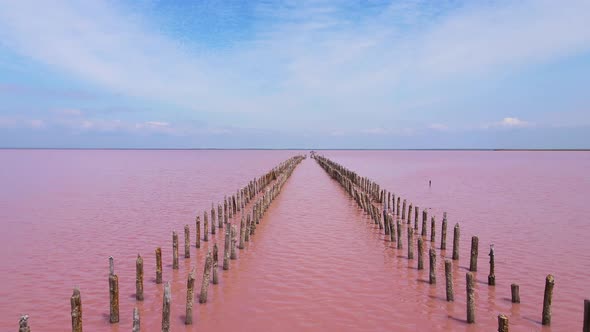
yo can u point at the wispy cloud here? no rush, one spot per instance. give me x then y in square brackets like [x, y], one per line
[304, 61]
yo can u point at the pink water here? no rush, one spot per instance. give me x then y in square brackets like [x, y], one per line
[315, 263]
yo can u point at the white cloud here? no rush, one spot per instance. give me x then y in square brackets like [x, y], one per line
[438, 126]
[310, 60]
[508, 122]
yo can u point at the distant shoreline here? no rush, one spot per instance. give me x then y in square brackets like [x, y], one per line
[293, 149]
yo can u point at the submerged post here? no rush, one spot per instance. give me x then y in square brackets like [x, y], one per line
[491, 276]
[586, 327]
[187, 242]
[233, 253]
[410, 243]
[416, 219]
[242, 233]
[76, 304]
[167, 298]
[113, 294]
[515, 292]
[226, 248]
[158, 265]
[23, 324]
[443, 235]
[136, 321]
[432, 229]
[198, 232]
[205, 227]
[456, 235]
[206, 278]
[432, 274]
[547, 298]
[449, 280]
[420, 253]
[470, 298]
[502, 323]
[474, 250]
[424, 219]
[399, 235]
[139, 278]
[190, 294]
[174, 250]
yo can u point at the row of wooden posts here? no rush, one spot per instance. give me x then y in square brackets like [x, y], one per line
[261, 191]
[388, 212]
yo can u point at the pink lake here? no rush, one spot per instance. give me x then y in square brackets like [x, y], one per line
[316, 262]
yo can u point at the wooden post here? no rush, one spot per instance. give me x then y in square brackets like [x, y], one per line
[190, 295]
[111, 265]
[206, 278]
[212, 219]
[174, 250]
[410, 243]
[392, 228]
[158, 265]
[248, 226]
[113, 294]
[114, 298]
[449, 280]
[432, 274]
[515, 290]
[226, 248]
[198, 233]
[215, 253]
[410, 215]
[456, 235]
[167, 298]
[502, 323]
[139, 278]
[136, 321]
[215, 280]
[420, 253]
[474, 250]
[470, 298]
[219, 216]
[398, 207]
[443, 235]
[399, 234]
[416, 219]
[586, 327]
[404, 210]
[76, 303]
[424, 219]
[233, 253]
[432, 229]
[23, 324]
[547, 298]
[205, 227]
[187, 242]
[491, 276]
[242, 233]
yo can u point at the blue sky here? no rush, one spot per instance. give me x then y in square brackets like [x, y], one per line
[311, 74]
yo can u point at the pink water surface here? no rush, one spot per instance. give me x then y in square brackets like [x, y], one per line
[316, 263]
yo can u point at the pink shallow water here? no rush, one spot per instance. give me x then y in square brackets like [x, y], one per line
[315, 263]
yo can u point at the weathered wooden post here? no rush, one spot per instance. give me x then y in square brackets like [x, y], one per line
[432, 274]
[404, 210]
[76, 303]
[443, 235]
[215, 279]
[515, 292]
[23, 324]
[187, 242]
[432, 229]
[206, 278]
[586, 327]
[190, 295]
[226, 249]
[449, 280]
[205, 227]
[219, 216]
[392, 228]
[215, 253]
[242, 233]
[410, 243]
[399, 235]
[386, 222]
[113, 293]
[167, 298]
[547, 298]
[424, 219]
[470, 298]
[233, 253]
[174, 250]
[398, 209]
[248, 226]
[136, 321]
[139, 278]
[502, 323]
[474, 251]
[158, 265]
[198, 232]
[420, 253]
[416, 219]
[491, 276]
[212, 219]
[456, 235]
